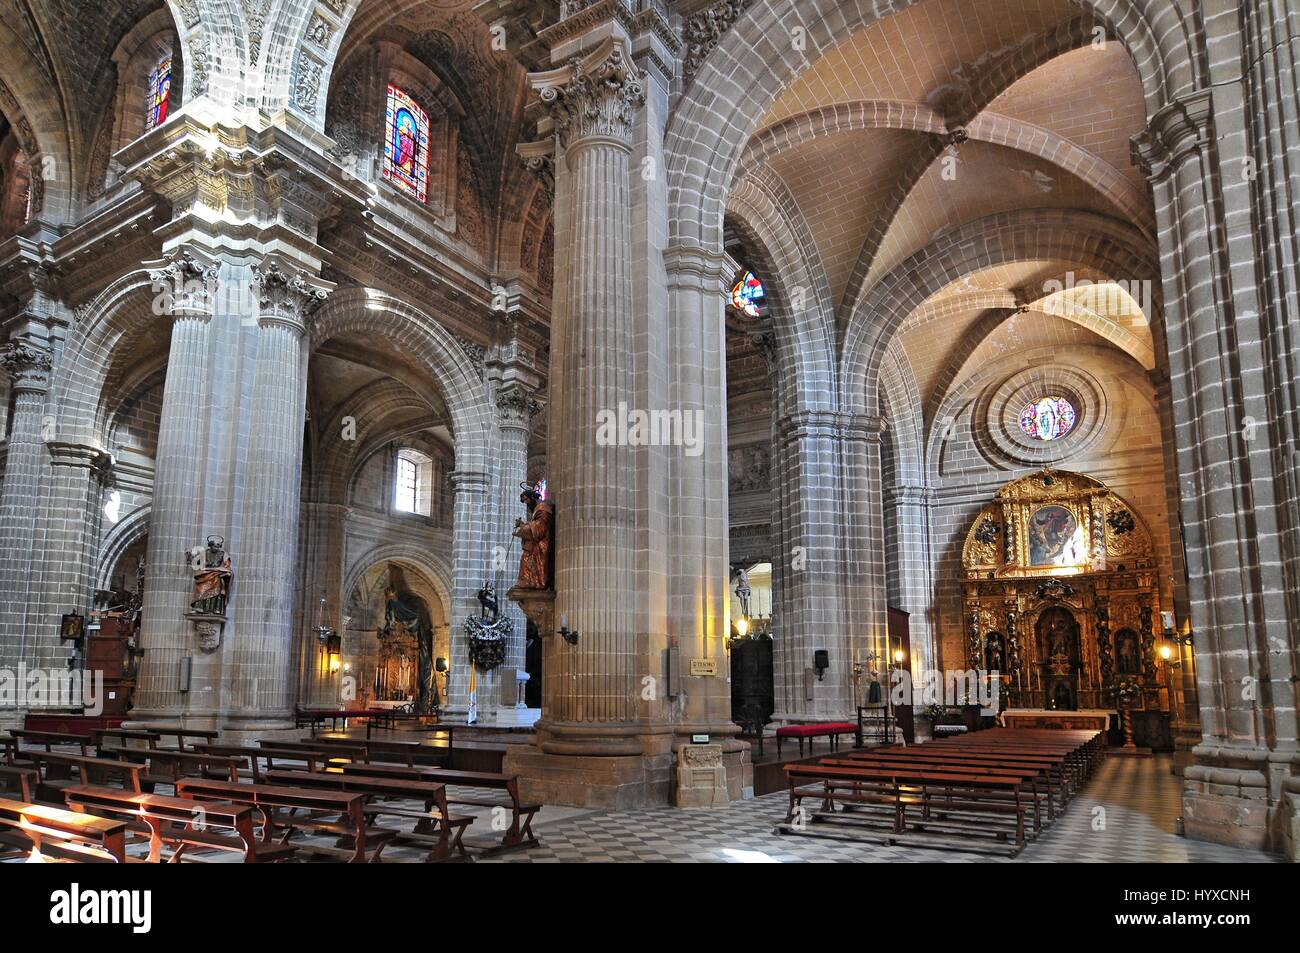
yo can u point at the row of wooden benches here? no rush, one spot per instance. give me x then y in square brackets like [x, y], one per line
[330, 778]
[991, 789]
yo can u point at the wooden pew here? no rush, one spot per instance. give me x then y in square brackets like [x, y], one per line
[61, 835]
[329, 752]
[10, 747]
[48, 740]
[520, 832]
[435, 824]
[272, 799]
[87, 769]
[409, 753]
[181, 823]
[121, 737]
[180, 734]
[25, 780]
[939, 794]
[169, 765]
[312, 760]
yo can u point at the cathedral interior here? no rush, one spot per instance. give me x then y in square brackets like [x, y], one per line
[608, 396]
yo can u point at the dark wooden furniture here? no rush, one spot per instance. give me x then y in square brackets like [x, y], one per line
[280, 804]
[49, 740]
[311, 760]
[435, 825]
[106, 652]
[168, 765]
[87, 770]
[21, 781]
[409, 753]
[520, 831]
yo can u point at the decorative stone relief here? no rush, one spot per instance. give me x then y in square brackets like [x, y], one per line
[27, 366]
[703, 31]
[749, 468]
[306, 86]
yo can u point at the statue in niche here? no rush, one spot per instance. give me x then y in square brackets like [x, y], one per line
[1058, 634]
[404, 608]
[994, 653]
[1128, 660]
[536, 535]
[212, 578]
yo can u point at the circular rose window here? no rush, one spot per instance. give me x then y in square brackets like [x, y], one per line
[1048, 418]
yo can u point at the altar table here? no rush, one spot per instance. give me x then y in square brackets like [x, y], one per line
[1091, 719]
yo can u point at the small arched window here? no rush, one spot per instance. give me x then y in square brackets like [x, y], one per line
[158, 94]
[413, 486]
[747, 295]
[406, 144]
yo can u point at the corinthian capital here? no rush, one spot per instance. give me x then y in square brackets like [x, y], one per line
[593, 96]
[517, 405]
[184, 284]
[28, 366]
[286, 295]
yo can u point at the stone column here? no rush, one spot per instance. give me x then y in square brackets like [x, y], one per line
[26, 468]
[863, 570]
[516, 407]
[911, 557]
[321, 573]
[258, 666]
[473, 539]
[182, 473]
[1239, 600]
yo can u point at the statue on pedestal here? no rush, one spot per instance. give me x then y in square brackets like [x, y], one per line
[536, 534]
[212, 579]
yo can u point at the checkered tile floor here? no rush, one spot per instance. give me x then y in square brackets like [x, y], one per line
[1126, 814]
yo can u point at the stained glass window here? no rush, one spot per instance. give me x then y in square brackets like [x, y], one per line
[406, 146]
[1048, 418]
[747, 294]
[159, 96]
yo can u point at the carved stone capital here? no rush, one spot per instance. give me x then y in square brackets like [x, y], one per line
[286, 296]
[185, 284]
[539, 159]
[517, 405]
[28, 366]
[593, 97]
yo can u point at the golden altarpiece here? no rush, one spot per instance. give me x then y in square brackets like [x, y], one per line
[1062, 599]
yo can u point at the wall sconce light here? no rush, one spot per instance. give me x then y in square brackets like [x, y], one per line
[821, 662]
[569, 635]
[899, 656]
[742, 627]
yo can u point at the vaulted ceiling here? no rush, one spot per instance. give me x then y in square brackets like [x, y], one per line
[939, 117]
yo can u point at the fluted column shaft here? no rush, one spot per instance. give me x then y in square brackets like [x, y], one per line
[473, 540]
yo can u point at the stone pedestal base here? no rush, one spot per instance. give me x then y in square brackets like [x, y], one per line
[1226, 802]
[701, 777]
[614, 783]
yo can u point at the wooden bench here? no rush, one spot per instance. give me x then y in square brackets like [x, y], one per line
[48, 740]
[520, 832]
[10, 747]
[326, 752]
[24, 780]
[435, 825]
[181, 823]
[946, 798]
[121, 736]
[180, 734]
[311, 760]
[831, 729]
[272, 799]
[169, 765]
[88, 772]
[316, 717]
[59, 835]
[409, 753]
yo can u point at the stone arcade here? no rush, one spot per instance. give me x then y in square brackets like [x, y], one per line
[836, 338]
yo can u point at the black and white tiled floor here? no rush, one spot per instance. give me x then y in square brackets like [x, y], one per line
[1126, 814]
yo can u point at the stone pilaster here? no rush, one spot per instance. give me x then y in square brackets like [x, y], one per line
[473, 540]
[907, 509]
[516, 407]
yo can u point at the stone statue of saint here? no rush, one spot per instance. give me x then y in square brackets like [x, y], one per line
[536, 534]
[212, 581]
